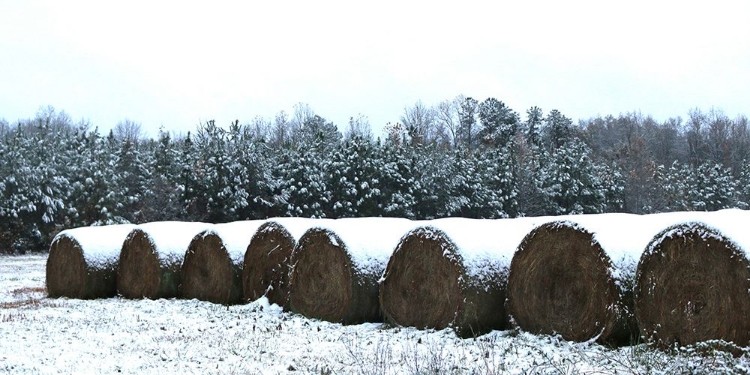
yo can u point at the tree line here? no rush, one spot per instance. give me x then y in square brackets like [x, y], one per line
[460, 157]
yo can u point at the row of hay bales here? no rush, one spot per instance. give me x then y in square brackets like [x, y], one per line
[671, 278]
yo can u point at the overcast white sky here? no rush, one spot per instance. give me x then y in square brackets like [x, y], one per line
[175, 64]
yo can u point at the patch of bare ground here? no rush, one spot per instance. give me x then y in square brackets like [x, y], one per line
[28, 298]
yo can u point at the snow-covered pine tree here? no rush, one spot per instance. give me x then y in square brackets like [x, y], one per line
[711, 188]
[571, 181]
[162, 199]
[467, 122]
[743, 186]
[499, 123]
[300, 183]
[557, 130]
[532, 131]
[32, 188]
[398, 179]
[131, 179]
[94, 187]
[249, 163]
[353, 180]
[220, 178]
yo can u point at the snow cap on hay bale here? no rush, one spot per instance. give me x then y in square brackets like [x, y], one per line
[268, 258]
[151, 258]
[212, 268]
[82, 262]
[574, 276]
[336, 268]
[452, 272]
[693, 282]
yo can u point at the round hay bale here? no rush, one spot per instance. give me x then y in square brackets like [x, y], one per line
[560, 282]
[212, 268]
[574, 276]
[452, 273]
[693, 282]
[267, 259]
[151, 259]
[82, 262]
[336, 268]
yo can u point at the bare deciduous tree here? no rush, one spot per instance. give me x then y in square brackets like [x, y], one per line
[128, 130]
[419, 122]
[359, 126]
[447, 120]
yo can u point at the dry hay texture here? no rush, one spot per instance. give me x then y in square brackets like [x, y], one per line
[267, 263]
[426, 285]
[142, 273]
[326, 284]
[208, 272]
[69, 275]
[561, 282]
[692, 285]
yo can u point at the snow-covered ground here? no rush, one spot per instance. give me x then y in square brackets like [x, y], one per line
[41, 335]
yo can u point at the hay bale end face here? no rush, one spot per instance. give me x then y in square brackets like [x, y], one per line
[561, 282]
[141, 273]
[449, 274]
[213, 264]
[327, 283]
[692, 285]
[208, 273]
[68, 274]
[422, 285]
[267, 264]
[82, 262]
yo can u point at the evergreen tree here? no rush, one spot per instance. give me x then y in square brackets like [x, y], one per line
[712, 188]
[399, 179]
[162, 199]
[533, 126]
[354, 179]
[571, 181]
[317, 132]
[499, 123]
[557, 130]
[467, 122]
[299, 187]
[131, 178]
[743, 186]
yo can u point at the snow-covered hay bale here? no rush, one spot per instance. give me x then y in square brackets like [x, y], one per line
[212, 268]
[452, 273]
[151, 259]
[337, 265]
[82, 262]
[693, 282]
[267, 259]
[574, 276]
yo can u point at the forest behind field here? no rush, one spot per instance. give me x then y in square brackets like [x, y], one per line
[459, 157]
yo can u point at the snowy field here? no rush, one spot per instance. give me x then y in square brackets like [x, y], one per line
[41, 335]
